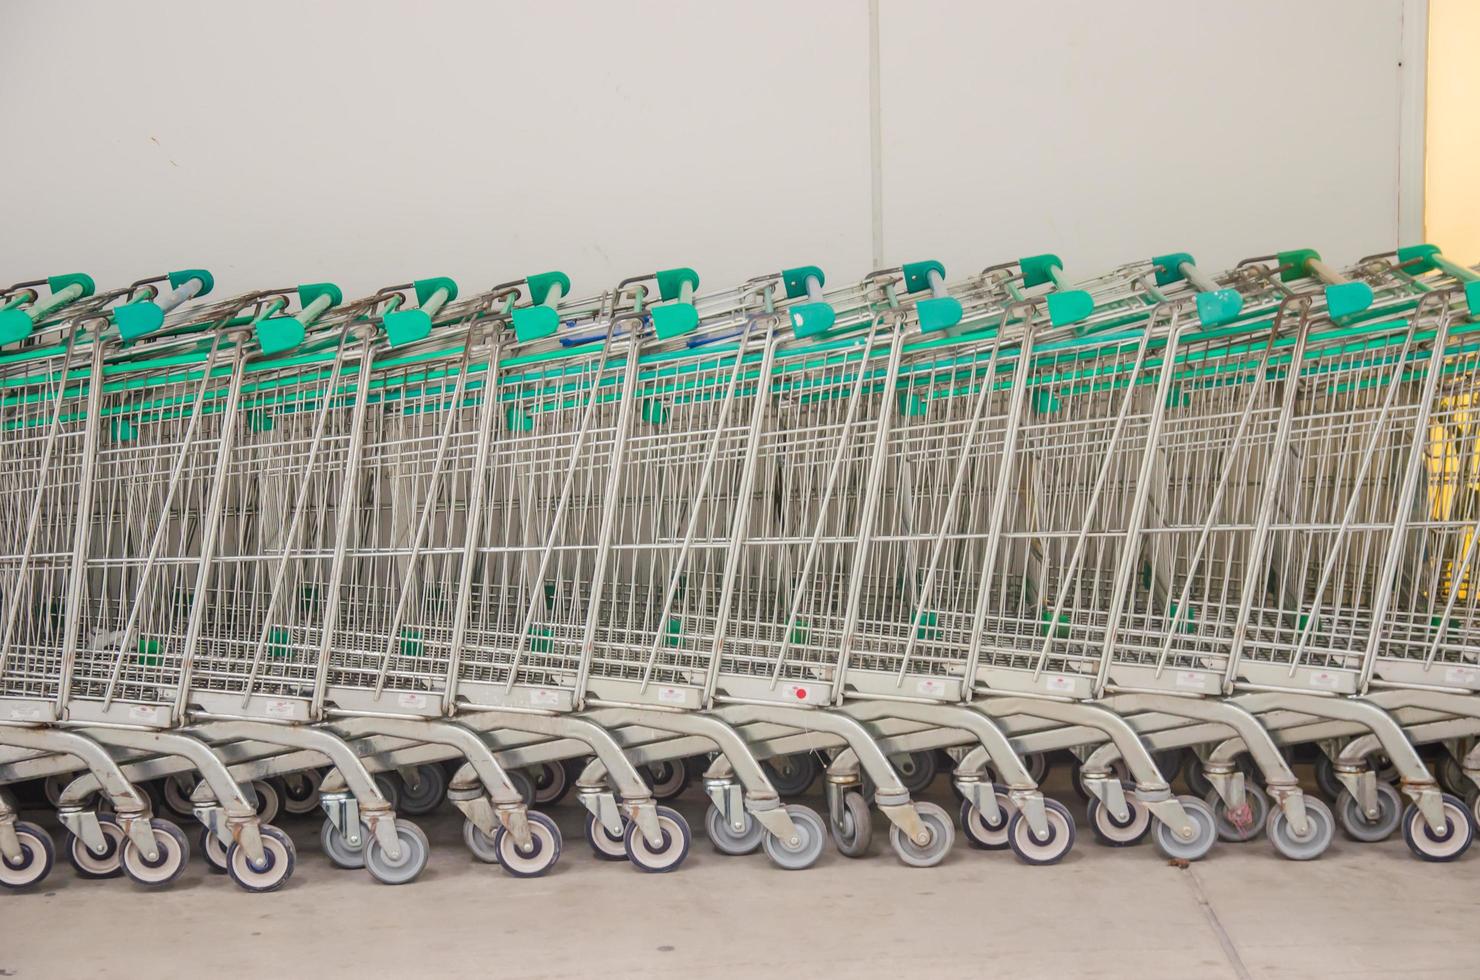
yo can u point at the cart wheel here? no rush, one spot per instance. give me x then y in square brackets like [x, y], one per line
[604, 845]
[213, 851]
[388, 789]
[1113, 832]
[1369, 830]
[1452, 776]
[1193, 775]
[37, 858]
[543, 851]
[1118, 769]
[670, 853]
[667, 779]
[853, 831]
[523, 784]
[1241, 823]
[1047, 850]
[551, 782]
[54, 787]
[1327, 782]
[269, 799]
[301, 792]
[916, 770]
[174, 792]
[408, 867]
[1320, 830]
[338, 850]
[479, 843]
[985, 834]
[1446, 844]
[104, 865]
[1204, 827]
[427, 793]
[792, 775]
[726, 840]
[804, 851]
[279, 858]
[934, 850]
[1038, 765]
[172, 854]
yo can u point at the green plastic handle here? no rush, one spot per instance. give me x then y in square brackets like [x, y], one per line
[1294, 263]
[539, 285]
[796, 280]
[58, 283]
[1422, 257]
[207, 281]
[427, 288]
[671, 282]
[309, 292]
[1169, 267]
[917, 275]
[1038, 269]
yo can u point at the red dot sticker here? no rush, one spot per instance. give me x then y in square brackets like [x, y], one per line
[801, 694]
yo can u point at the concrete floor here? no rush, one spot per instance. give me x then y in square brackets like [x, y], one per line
[1362, 910]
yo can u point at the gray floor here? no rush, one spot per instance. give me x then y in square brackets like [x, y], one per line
[1362, 910]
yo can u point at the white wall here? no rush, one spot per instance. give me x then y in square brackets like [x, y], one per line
[371, 142]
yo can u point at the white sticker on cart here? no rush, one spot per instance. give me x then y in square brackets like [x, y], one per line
[25, 714]
[279, 707]
[1326, 679]
[672, 695]
[1464, 676]
[1058, 682]
[1192, 679]
[143, 712]
[410, 699]
[798, 692]
[542, 698]
[931, 687]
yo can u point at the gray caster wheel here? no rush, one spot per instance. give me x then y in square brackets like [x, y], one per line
[1113, 832]
[523, 784]
[853, 830]
[1319, 831]
[668, 779]
[1242, 823]
[172, 853]
[985, 834]
[94, 865]
[1049, 849]
[1452, 776]
[174, 792]
[338, 850]
[1118, 769]
[479, 844]
[264, 793]
[1327, 782]
[932, 851]
[1193, 775]
[1445, 844]
[301, 792]
[408, 867]
[724, 837]
[803, 852]
[1369, 830]
[1204, 832]
[1038, 766]
[388, 788]
[36, 860]
[916, 770]
[426, 793]
[539, 857]
[279, 858]
[551, 782]
[792, 775]
[213, 851]
[604, 845]
[668, 855]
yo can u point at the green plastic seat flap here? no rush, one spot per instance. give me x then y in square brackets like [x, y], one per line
[137, 319]
[810, 319]
[1347, 298]
[534, 322]
[674, 319]
[1219, 307]
[14, 325]
[938, 313]
[1069, 306]
[279, 333]
[404, 327]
